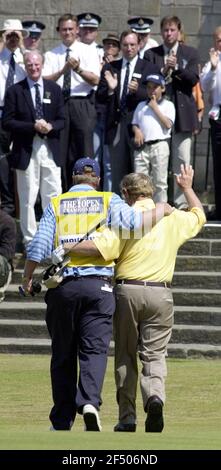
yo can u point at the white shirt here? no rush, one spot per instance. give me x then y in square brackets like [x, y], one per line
[150, 43]
[123, 71]
[211, 82]
[89, 61]
[32, 84]
[149, 123]
[20, 73]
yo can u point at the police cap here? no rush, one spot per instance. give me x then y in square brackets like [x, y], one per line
[35, 28]
[88, 20]
[140, 24]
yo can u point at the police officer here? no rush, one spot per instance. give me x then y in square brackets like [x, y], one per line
[142, 26]
[88, 24]
[35, 29]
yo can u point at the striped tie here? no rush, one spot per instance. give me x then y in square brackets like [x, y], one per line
[11, 72]
[67, 78]
[38, 103]
[125, 86]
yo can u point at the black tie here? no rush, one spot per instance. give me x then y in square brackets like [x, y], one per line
[11, 72]
[125, 86]
[67, 78]
[38, 104]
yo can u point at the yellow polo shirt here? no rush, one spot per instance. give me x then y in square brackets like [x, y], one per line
[152, 256]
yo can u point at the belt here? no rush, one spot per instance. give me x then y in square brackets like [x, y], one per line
[90, 276]
[143, 283]
[151, 142]
[81, 97]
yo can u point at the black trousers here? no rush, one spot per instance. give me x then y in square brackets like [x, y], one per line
[79, 320]
[77, 135]
[216, 153]
[7, 195]
[121, 154]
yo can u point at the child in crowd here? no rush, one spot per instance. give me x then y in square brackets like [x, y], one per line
[151, 125]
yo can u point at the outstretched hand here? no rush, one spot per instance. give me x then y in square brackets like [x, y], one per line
[185, 178]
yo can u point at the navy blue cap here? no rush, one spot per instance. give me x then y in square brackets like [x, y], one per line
[82, 163]
[88, 20]
[35, 28]
[140, 24]
[155, 78]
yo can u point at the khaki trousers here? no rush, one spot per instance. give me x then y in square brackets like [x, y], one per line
[142, 324]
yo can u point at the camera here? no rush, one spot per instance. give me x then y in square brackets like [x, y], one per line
[12, 34]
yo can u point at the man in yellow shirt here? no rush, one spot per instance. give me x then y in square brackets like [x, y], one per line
[144, 303]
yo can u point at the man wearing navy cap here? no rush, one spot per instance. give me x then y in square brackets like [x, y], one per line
[142, 26]
[35, 29]
[76, 69]
[88, 24]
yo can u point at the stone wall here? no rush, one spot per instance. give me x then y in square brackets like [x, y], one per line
[200, 17]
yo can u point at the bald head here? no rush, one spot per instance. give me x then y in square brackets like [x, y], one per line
[33, 64]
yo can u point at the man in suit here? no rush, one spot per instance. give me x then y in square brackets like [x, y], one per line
[180, 66]
[34, 114]
[121, 86]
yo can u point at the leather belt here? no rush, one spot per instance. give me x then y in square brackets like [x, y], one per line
[143, 283]
[151, 142]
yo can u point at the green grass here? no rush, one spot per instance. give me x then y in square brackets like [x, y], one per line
[192, 411]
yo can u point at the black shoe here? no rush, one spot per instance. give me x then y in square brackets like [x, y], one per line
[154, 421]
[125, 427]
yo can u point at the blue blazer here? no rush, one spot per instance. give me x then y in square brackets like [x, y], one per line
[183, 81]
[18, 118]
[143, 68]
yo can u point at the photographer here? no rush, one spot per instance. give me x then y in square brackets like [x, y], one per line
[11, 71]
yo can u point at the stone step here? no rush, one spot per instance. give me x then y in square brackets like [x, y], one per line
[18, 272]
[196, 334]
[23, 328]
[24, 310]
[197, 315]
[200, 279]
[183, 314]
[192, 350]
[201, 247]
[12, 294]
[198, 263]
[197, 297]
[181, 333]
[210, 230]
[43, 346]
[25, 346]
